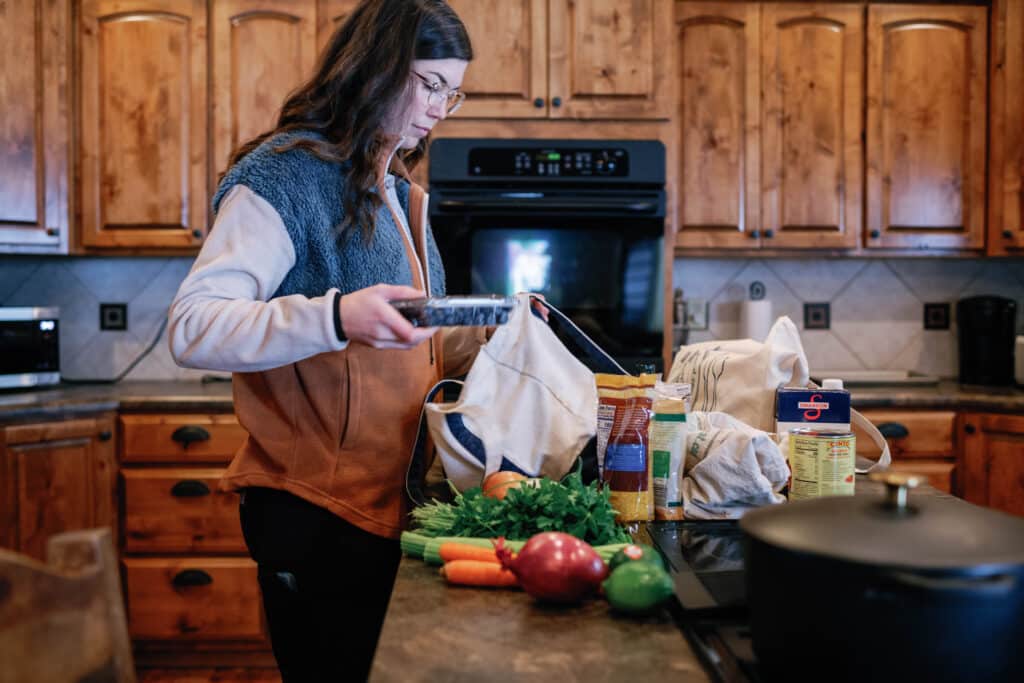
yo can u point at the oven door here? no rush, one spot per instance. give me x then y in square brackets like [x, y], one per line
[596, 255]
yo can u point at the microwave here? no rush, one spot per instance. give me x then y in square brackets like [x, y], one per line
[29, 347]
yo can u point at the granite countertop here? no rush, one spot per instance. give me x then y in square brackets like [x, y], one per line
[67, 400]
[436, 633]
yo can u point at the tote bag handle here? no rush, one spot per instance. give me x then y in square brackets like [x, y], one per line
[871, 430]
[417, 469]
[602, 361]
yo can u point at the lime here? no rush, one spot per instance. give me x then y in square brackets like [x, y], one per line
[637, 587]
[634, 552]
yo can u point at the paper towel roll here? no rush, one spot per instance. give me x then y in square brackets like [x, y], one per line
[755, 319]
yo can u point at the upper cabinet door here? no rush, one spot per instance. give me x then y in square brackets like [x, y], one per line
[330, 14]
[262, 50]
[926, 126]
[718, 69]
[811, 146]
[34, 125]
[143, 122]
[508, 75]
[1006, 150]
[609, 58]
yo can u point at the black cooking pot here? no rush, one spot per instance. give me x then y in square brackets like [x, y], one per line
[873, 588]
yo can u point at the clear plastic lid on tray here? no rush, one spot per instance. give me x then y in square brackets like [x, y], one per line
[452, 311]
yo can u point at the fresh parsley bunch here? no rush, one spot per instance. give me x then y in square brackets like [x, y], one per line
[570, 506]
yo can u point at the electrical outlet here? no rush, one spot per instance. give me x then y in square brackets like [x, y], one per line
[696, 314]
[113, 316]
[936, 316]
[817, 316]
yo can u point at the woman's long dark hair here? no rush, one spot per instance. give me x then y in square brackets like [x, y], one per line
[359, 79]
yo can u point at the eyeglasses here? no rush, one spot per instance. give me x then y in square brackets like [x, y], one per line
[438, 94]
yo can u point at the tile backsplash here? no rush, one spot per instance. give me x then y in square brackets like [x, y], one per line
[877, 306]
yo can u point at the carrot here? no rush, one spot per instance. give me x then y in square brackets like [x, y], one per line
[463, 551]
[477, 573]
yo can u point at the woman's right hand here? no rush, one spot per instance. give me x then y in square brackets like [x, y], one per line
[368, 317]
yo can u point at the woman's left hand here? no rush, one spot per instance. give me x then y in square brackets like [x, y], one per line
[538, 307]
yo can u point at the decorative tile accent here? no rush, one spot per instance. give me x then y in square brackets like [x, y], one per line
[148, 308]
[106, 356]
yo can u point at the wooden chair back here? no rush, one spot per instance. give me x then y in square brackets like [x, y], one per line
[64, 622]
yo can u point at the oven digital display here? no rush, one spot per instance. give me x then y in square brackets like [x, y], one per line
[548, 162]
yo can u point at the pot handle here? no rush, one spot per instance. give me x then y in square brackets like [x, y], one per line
[991, 586]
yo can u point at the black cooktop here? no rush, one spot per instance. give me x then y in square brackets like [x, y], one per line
[706, 563]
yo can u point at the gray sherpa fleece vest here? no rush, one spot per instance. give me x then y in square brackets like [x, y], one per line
[306, 192]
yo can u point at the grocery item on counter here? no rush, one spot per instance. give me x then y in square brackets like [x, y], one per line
[555, 567]
[823, 463]
[478, 573]
[638, 587]
[635, 552]
[623, 421]
[824, 408]
[667, 443]
[451, 311]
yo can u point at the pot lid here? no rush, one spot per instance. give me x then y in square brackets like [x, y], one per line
[896, 530]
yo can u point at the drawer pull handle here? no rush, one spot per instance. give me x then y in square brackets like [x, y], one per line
[191, 577]
[190, 488]
[190, 434]
[893, 430]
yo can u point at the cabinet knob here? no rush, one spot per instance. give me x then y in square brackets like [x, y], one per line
[969, 428]
[190, 488]
[556, 101]
[197, 233]
[893, 430]
[539, 103]
[190, 434]
[191, 577]
[875, 234]
[52, 232]
[1008, 234]
[754, 234]
[769, 233]
[105, 435]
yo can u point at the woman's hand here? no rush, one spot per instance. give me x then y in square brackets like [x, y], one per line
[368, 317]
[539, 308]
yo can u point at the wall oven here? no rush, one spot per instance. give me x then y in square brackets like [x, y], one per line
[580, 221]
[29, 347]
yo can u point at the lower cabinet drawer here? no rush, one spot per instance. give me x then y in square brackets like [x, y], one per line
[193, 599]
[179, 510]
[940, 473]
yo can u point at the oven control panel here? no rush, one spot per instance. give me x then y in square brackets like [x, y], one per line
[548, 162]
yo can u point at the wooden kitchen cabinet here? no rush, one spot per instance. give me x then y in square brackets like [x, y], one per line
[769, 122]
[143, 124]
[191, 590]
[926, 126]
[568, 59]
[992, 460]
[56, 477]
[1006, 147]
[35, 126]
[260, 51]
[920, 442]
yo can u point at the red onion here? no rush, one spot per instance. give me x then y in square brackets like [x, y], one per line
[555, 567]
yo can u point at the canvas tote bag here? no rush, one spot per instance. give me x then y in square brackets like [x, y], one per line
[740, 377]
[527, 404]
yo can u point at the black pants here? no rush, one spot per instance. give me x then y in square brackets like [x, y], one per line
[325, 584]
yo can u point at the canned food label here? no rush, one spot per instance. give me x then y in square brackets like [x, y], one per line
[823, 464]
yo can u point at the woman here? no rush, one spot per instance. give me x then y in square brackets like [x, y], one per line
[314, 234]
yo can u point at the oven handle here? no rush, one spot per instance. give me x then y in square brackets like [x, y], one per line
[525, 202]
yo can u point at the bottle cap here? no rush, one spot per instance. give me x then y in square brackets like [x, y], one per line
[831, 383]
